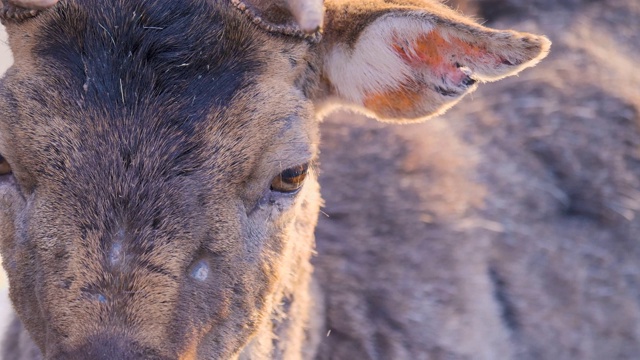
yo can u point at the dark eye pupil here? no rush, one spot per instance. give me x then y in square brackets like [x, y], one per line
[5, 168]
[290, 179]
[292, 174]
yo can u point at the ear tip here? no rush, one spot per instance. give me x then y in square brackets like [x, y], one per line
[540, 50]
[542, 42]
[533, 48]
[525, 50]
[311, 22]
[308, 14]
[545, 44]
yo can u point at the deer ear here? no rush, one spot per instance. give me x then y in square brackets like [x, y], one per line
[407, 63]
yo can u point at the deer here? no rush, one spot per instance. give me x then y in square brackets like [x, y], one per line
[158, 182]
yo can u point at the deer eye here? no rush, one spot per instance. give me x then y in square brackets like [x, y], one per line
[290, 180]
[5, 168]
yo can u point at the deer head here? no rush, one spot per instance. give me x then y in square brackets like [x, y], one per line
[157, 189]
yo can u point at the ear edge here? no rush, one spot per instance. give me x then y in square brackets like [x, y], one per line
[533, 50]
[335, 104]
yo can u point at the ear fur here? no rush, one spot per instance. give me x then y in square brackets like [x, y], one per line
[413, 60]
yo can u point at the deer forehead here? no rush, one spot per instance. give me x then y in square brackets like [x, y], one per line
[99, 90]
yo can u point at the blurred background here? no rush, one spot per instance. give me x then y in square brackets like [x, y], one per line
[518, 211]
[509, 228]
[5, 61]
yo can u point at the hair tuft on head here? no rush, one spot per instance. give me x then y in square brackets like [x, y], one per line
[298, 18]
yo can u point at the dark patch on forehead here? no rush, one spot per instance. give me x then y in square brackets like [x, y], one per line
[124, 57]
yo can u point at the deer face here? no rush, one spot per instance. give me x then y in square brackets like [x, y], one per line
[157, 193]
[161, 190]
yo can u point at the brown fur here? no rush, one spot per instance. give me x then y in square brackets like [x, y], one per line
[143, 144]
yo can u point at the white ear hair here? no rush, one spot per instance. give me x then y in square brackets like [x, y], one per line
[372, 66]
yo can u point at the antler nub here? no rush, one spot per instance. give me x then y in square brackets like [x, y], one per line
[34, 4]
[19, 10]
[306, 16]
[309, 14]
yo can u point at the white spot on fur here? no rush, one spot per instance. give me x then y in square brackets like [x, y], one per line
[115, 256]
[116, 253]
[200, 271]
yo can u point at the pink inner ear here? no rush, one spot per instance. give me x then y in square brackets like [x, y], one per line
[442, 73]
[443, 57]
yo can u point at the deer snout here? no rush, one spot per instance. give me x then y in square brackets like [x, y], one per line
[109, 347]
